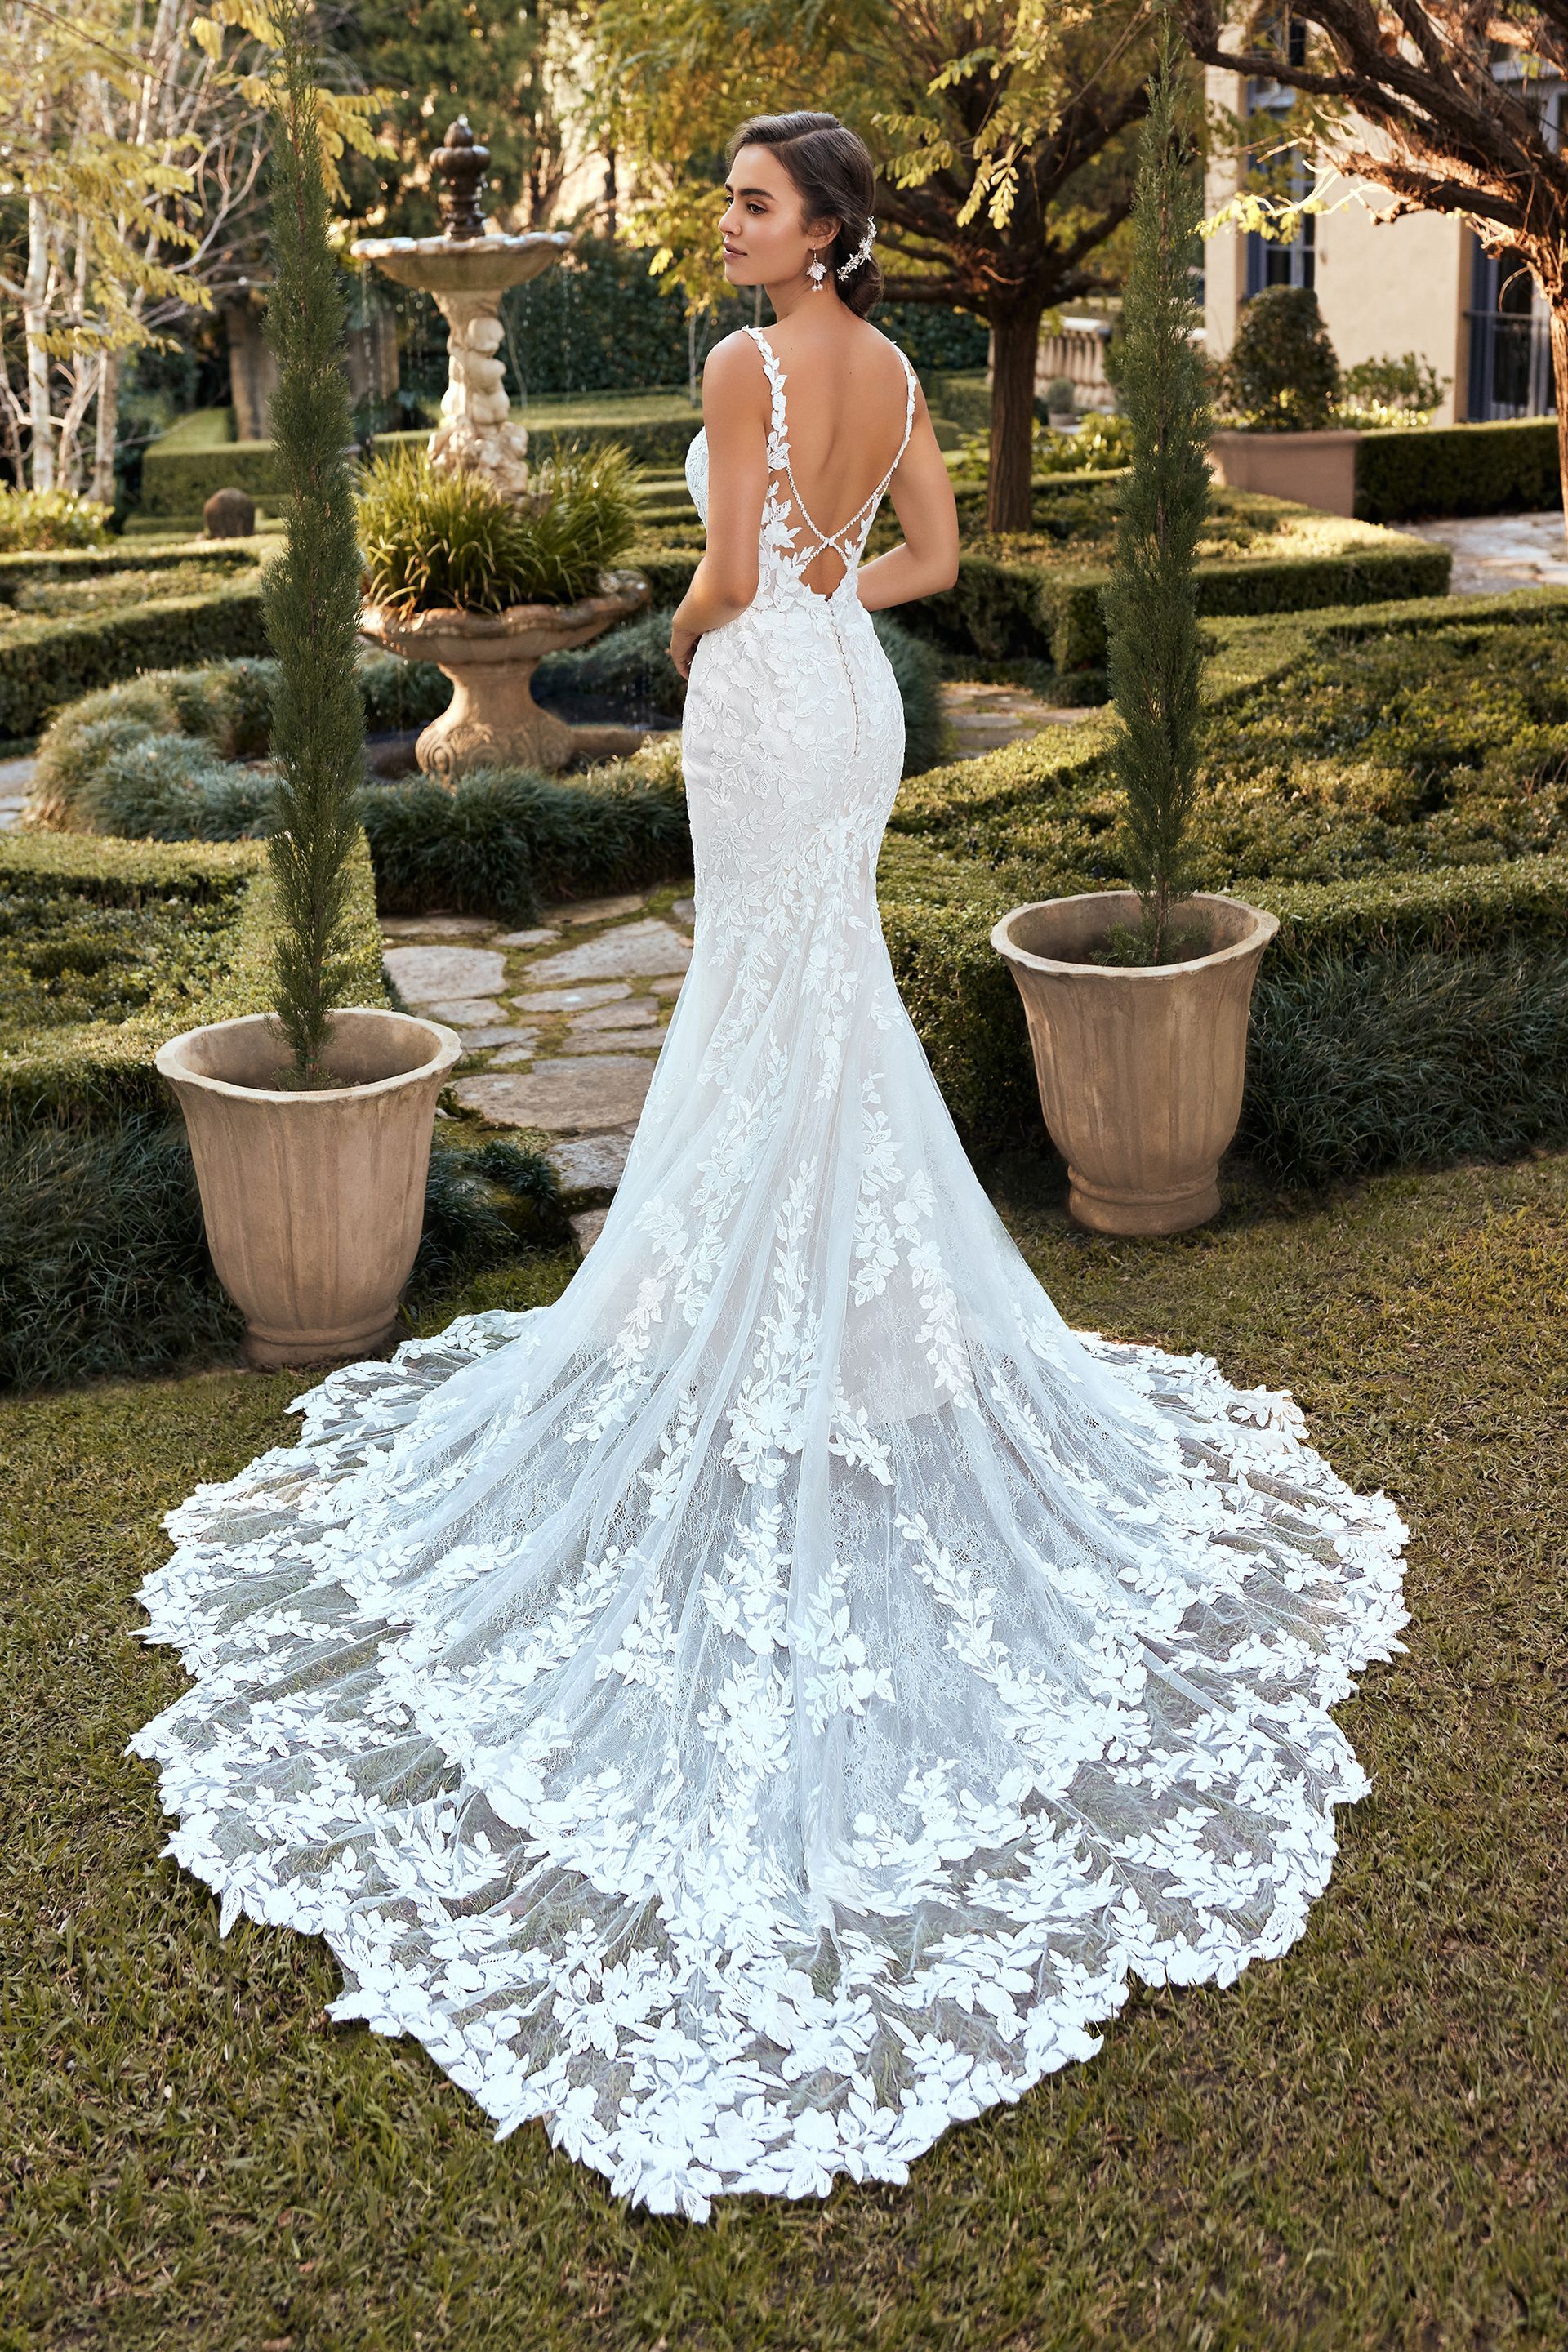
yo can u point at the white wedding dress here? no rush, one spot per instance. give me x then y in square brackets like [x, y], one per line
[765, 1705]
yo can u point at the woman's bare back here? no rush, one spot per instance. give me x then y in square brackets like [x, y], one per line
[846, 391]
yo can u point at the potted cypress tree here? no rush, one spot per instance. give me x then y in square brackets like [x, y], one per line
[1137, 1000]
[311, 1126]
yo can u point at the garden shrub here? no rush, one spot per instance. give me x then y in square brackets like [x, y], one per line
[1458, 469]
[1281, 375]
[111, 947]
[34, 520]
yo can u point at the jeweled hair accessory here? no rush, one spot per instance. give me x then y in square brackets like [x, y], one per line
[861, 253]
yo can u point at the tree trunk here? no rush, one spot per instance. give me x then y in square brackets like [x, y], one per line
[1014, 342]
[107, 428]
[1559, 373]
[35, 326]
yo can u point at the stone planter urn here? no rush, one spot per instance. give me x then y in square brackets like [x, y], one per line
[314, 1203]
[1139, 1069]
[492, 719]
[1316, 469]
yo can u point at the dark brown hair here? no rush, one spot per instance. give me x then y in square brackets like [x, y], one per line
[831, 165]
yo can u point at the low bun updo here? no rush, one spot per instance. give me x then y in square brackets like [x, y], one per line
[831, 165]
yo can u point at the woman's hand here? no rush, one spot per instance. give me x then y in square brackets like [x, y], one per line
[683, 643]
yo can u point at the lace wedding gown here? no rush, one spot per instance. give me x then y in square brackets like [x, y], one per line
[767, 1705]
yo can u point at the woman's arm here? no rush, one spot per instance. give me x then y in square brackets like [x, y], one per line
[735, 411]
[921, 493]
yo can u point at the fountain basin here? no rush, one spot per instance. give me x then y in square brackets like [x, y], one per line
[458, 265]
[492, 719]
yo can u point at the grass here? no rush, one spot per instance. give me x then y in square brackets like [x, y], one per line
[1362, 2145]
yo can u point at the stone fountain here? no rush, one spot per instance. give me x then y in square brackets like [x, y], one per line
[492, 719]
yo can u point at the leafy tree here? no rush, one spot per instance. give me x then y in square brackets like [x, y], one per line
[131, 152]
[1001, 129]
[508, 67]
[1439, 102]
[311, 590]
[1154, 660]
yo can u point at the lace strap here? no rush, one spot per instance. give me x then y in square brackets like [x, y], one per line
[778, 421]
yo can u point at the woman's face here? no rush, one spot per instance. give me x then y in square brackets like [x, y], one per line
[765, 240]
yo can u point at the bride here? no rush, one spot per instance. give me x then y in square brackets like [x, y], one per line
[767, 1704]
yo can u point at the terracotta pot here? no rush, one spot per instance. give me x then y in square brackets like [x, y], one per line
[1141, 1070]
[1316, 469]
[492, 719]
[313, 1203]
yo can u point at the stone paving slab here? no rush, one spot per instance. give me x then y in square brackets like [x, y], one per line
[599, 910]
[592, 1163]
[571, 1094]
[633, 1013]
[1493, 553]
[429, 975]
[587, 1226]
[478, 1041]
[568, 1000]
[987, 717]
[461, 1011]
[436, 927]
[541, 937]
[613, 1041]
[632, 952]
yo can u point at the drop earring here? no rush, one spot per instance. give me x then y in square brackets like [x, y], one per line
[817, 274]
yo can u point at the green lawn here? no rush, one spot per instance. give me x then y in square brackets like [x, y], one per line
[1362, 2145]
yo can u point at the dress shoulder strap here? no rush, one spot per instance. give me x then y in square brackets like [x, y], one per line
[909, 381]
[778, 421]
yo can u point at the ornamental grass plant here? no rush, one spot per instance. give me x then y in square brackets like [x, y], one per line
[438, 538]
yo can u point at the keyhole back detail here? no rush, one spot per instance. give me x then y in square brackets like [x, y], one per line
[850, 539]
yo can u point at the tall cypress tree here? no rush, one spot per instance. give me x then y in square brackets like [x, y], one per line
[312, 593]
[1154, 660]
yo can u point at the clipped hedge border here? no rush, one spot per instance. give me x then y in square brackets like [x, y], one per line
[1005, 610]
[21, 571]
[45, 663]
[178, 481]
[938, 908]
[1458, 469]
[90, 1071]
[1013, 610]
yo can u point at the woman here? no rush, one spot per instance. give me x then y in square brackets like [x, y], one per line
[768, 1703]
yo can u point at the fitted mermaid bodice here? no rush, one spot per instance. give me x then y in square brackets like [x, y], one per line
[781, 563]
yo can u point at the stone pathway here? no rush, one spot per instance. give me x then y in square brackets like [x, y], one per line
[1493, 553]
[985, 718]
[595, 982]
[16, 776]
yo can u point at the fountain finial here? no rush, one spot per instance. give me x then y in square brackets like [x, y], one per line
[462, 162]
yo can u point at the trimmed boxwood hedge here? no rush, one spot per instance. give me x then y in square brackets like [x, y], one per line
[1400, 1016]
[21, 571]
[91, 1069]
[46, 663]
[1458, 469]
[1010, 608]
